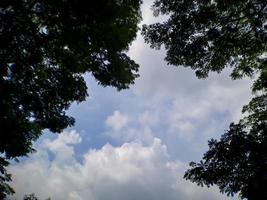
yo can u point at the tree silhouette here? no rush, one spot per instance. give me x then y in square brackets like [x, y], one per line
[209, 35]
[32, 197]
[237, 162]
[46, 47]
[5, 189]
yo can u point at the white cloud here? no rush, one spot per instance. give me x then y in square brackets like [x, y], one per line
[160, 84]
[117, 120]
[187, 109]
[128, 172]
[139, 134]
[121, 128]
[150, 118]
[167, 102]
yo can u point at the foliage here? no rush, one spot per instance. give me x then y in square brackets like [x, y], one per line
[210, 35]
[237, 162]
[46, 47]
[5, 189]
[32, 197]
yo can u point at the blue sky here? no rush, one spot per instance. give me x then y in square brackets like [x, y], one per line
[137, 143]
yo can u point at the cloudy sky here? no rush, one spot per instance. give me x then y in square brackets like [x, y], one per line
[137, 143]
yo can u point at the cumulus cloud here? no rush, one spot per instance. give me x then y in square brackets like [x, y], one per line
[117, 120]
[121, 128]
[170, 102]
[166, 101]
[128, 172]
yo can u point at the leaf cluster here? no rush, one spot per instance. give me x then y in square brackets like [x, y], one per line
[236, 163]
[5, 189]
[208, 35]
[46, 47]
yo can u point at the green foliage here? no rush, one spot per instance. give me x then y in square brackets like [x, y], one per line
[45, 48]
[209, 35]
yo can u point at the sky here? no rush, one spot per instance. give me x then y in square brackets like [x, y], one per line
[136, 143]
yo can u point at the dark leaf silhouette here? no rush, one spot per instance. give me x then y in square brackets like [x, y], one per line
[46, 47]
[208, 36]
[5, 189]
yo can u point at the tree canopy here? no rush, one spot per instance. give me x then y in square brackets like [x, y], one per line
[46, 47]
[237, 162]
[5, 189]
[32, 197]
[210, 35]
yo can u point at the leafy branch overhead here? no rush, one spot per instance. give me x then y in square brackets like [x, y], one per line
[5, 189]
[237, 162]
[208, 36]
[46, 46]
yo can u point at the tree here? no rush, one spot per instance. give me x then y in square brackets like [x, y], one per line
[32, 197]
[5, 189]
[46, 47]
[237, 162]
[210, 35]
